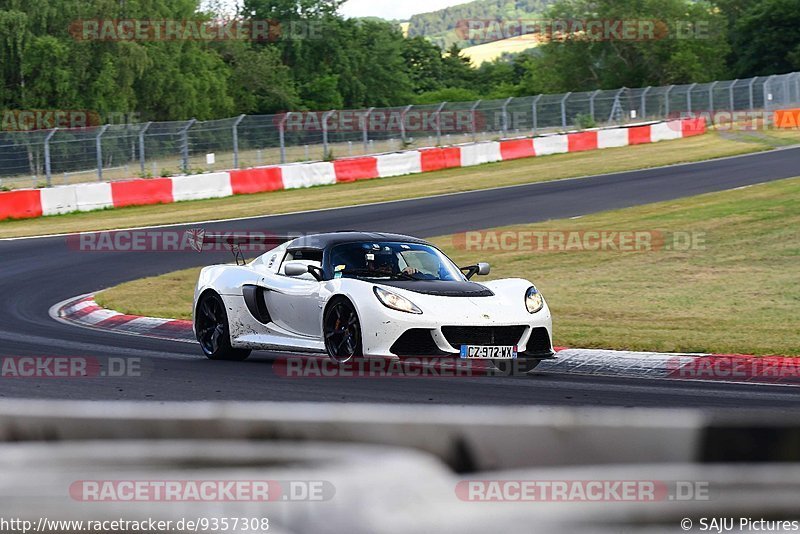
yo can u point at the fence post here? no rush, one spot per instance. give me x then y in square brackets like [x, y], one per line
[238, 121]
[787, 89]
[643, 105]
[534, 114]
[617, 107]
[47, 167]
[765, 88]
[474, 120]
[591, 102]
[505, 116]
[797, 86]
[750, 90]
[99, 146]
[403, 124]
[439, 123]
[564, 110]
[711, 97]
[666, 101]
[730, 97]
[282, 135]
[365, 129]
[325, 133]
[689, 98]
[185, 145]
[141, 147]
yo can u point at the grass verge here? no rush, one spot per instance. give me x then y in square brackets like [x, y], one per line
[736, 292]
[522, 171]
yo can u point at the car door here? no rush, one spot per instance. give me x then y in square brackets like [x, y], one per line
[294, 302]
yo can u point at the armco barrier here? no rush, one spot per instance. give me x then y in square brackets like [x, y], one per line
[256, 180]
[581, 141]
[480, 153]
[638, 135]
[22, 204]
[57, 200]
[352, 169]
[141, 192]
[308, 175]
[94, 196]
[664, 131]
[29, 203]
[211, 185]
[434, 159]
[399, 163]
[612, 138]
[551, 144]
[516, 149]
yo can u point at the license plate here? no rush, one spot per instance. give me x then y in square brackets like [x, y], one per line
[489, 352]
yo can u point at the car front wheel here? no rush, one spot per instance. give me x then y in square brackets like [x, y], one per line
[213, 331]
[342, 331]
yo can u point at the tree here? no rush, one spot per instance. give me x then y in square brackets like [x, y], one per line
[457, 70]
[259, 83]
[424, 63]
[766, 38]
[686, 45]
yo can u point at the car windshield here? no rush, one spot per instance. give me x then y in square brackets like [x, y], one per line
[404, 261]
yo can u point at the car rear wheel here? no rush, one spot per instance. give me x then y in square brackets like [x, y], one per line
[515, 367]
[213, 332]
[342, 331]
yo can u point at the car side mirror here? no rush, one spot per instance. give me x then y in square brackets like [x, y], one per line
[295, 268]
[481, 268]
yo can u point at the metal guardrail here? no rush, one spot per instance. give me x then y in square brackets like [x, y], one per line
[118, 151]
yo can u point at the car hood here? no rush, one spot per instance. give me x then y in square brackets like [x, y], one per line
[441, 288]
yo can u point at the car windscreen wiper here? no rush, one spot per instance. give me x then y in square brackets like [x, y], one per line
[371, 273]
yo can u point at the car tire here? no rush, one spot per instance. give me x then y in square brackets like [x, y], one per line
[213, 331]
[515, 367]
[341, 331]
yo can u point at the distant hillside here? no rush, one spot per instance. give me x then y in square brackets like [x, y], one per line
[440, 26]
[497, 49]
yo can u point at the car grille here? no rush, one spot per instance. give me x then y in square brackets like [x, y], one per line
[416, 342]
[482, 335]
[539, 342]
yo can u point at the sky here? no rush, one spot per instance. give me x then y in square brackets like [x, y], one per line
[387, 9]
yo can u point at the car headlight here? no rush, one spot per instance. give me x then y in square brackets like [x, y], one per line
[533, 300]
[395, 302]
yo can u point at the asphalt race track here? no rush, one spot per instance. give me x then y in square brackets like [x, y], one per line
[37, 273]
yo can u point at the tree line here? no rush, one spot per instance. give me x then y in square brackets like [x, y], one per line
[359, 63]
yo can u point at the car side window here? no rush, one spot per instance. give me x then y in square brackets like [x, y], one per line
[307, 256]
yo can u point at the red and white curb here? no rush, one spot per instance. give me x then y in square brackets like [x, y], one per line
[730, 368]
[31, 203]
[84, 311]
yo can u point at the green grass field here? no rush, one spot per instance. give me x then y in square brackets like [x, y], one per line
[737, 291]
[698, 148]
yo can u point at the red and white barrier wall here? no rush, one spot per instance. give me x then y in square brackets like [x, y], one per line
[29, 203]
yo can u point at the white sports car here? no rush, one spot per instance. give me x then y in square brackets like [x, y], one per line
[364, 294]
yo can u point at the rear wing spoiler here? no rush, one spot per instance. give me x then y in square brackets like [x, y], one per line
[199, 239]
